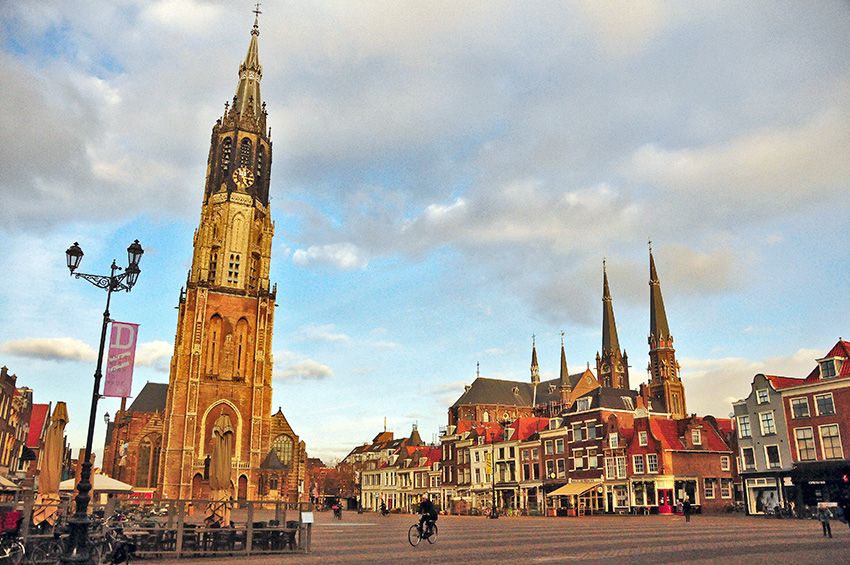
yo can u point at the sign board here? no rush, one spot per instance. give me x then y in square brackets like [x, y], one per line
[119, 363]
[827, 505]
[306, 517]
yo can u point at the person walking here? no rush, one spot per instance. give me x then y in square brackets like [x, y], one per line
[686, 509]
[824, 515]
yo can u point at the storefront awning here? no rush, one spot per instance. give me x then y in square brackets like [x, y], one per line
[572, 489]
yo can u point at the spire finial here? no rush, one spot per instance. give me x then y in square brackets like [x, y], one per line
[257, 12]
[650, 245]
[604, 264]
[477, 369]
[533, 340]
[562, 338]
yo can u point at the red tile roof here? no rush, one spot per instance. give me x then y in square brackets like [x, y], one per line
[527, 426]
[779, 383]
[665, 431]
[668, 433]
[37, 419]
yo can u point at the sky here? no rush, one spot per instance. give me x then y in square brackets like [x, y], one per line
[447, 179]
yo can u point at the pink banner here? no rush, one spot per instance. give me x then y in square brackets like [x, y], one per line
[119, 363]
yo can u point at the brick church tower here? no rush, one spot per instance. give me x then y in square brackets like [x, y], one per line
[665, 384]
[222, 362]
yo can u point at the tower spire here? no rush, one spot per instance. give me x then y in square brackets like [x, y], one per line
[658, 327]
[611, 371]
[565, 373]
[610, 341]
[535, 368]
[665, 384]
[248, 100]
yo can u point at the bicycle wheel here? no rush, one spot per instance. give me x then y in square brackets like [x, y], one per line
[433, 537]
[14, 552]
[413, 535]
[46, 553]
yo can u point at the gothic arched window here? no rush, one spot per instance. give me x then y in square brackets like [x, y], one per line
[148, 462]
[241, 346]
[226, 148]
[282, 446]
[261, 154]
[245, 152]
[213, 264]
[214, 345]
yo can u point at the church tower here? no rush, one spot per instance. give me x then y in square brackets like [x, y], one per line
[564, 389]
[222, 362]
[612, 366]
[665, 385]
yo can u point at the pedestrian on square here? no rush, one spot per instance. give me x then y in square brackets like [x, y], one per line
[824, 515]
[845, 506]
[686, 509]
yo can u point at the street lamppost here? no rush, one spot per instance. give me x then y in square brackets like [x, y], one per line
[493, 512]
[77, 550]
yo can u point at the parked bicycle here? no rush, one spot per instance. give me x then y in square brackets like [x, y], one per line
[12, 549]
[415, 534]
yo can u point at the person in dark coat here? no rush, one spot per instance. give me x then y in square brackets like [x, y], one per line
[428, 515]
[686, 509]
[824, 515]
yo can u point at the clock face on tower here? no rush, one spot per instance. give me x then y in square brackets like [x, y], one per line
[243, 177]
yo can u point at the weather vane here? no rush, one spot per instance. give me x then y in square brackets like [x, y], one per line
[256, 10]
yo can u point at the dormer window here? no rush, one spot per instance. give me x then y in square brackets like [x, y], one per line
[554, 423]
[696, 437]
[582, 404]
[515, 390]
[829, 368]
[627, 402]
[613, 440]
[551, 388]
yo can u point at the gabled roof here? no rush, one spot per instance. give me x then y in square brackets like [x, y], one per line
[272, 462]
[38, 419]
[511, 393]
[151, 398]
[670, 433]
[609, 397]
[528, 426]
[840, 349]
[779, 383]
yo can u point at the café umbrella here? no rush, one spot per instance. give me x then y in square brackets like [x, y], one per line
[218, 510]
[46, 508]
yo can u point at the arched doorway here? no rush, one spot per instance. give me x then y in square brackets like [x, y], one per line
[198, 488]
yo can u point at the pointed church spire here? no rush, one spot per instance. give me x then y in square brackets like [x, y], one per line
[247, 100]
[535, 368]
[565, 373]
[657, 315]
[610, 342]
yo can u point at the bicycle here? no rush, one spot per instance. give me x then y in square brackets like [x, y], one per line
[415, 535]
[46, 552]
[12, 549]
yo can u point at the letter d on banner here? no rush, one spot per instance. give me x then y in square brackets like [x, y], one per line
[122, 356]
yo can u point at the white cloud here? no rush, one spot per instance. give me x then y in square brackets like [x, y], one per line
[324, 333]
[156, 354]
[703, 378]
[624, 27]
[290, 365]
[384, 344]
[50, 349]
[343, 256]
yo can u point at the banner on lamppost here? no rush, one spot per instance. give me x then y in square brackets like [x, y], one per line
[119, 363]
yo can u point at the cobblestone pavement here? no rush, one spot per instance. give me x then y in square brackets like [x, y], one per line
[728, 539]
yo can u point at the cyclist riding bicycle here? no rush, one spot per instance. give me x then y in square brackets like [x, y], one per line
[428, 515]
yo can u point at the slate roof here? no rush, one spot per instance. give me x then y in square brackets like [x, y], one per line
[273, 463]
[496, 391]
[608, 397]
[151, 398]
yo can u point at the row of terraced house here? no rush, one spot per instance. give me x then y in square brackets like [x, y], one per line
[588, 442]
